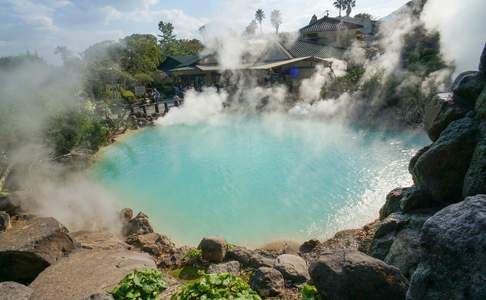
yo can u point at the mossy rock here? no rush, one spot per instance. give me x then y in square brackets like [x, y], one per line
[481, 104]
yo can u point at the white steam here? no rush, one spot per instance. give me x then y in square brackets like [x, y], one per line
[462, 27]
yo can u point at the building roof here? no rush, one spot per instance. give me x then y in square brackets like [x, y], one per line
[302, 49]
[330, 24]
[287, 62]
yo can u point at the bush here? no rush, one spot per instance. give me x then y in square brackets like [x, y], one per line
[217, 286]
[309, 292]
[140, 285]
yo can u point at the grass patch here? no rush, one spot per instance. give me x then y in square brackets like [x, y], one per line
[140, 285]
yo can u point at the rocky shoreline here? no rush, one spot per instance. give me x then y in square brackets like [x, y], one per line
[429, 241]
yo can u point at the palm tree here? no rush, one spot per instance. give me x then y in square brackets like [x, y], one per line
[276, 19]
[350, 4]
[340, 4]
[259, 16]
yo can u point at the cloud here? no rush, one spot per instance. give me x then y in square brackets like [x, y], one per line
[462, 27]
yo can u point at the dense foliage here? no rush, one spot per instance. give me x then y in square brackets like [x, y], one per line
[140, 285]
[217, 286]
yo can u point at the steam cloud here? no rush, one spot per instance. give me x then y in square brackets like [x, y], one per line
[462, 27]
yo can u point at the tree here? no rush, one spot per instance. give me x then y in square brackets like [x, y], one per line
[170, 45]
[349, 6]
[251, 28]
[276, 19]
[363, 16]
[140, 54]
[340, 4]
[259, 16]
[167, 30]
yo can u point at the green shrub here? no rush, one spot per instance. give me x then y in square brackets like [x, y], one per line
[194, 253]
[217, 286]
[140, 285]
[309, 292]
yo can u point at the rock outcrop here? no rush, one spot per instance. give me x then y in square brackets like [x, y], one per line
[213, 249]
[475, 178]
[4, 221]
[138, 225]
[440, 171]
[87, 272]
[267, 282]
[30, 246]
[232, 267]
[350, 274]
[454, 243]
[439, 113]
[293, 268]
[14, 291]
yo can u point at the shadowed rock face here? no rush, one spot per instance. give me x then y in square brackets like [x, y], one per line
[213, 249]
[268, 282]
[475, 180]
[350, 274]
[439, 113]
[31, 246]
[454, 261]
[482, 63]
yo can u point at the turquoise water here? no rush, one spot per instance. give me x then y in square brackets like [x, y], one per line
[257, 179]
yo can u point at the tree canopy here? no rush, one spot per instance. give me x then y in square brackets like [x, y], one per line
[276, 19]
[260, 16]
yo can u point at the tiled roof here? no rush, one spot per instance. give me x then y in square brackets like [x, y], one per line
[329, 24]
[302, 49]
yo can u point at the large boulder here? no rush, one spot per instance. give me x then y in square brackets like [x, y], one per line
[440, 111]
[88, 272]
[30, 246]
[453, 264]
[350, 274]
[213, 249]
[267, 282]
[232, 267]
[14, 291]
[405, 251]
[10, 204]
[385, 232]
[293, 268]
[152, 243]
[467, 87]
[440, 171]
[475, 179]
[138, 225]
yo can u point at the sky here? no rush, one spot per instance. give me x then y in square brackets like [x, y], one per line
[41, 25]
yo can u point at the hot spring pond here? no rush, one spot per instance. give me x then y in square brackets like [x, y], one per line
[257, 179]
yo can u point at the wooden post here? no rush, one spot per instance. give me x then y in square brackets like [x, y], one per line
[156, 105]
[166, 107]
[144, 109]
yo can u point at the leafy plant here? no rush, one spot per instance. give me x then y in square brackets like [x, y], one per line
[194, 253]
[140, 285]
[217, 286]
[309, 292]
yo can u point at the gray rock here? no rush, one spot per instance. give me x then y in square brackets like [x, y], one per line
[213, 249]
[392, 203]
[440, 171]
[138, 225]
[14, 291]
[267, 282]
[260, 260]
[416, 157]
[152, 243]
[414, 199]
[293, 268]
[309, 246]
[475, 178]
[467, 87]
[405, 251]
[4, 221]
[453, 263]
[240, 254]
[30, 246]
[88, 272]
[232, 267]
[350, 274]
[440, 111]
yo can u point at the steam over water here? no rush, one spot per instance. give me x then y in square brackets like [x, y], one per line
[257, 179]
